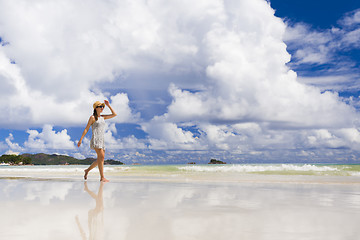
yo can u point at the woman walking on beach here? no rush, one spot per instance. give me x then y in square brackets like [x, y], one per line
[97, 122]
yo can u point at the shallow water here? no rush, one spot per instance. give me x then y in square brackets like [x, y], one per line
[150, 204]
[121, 170]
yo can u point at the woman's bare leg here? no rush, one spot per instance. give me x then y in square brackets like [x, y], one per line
[100, 160]
[94, 164]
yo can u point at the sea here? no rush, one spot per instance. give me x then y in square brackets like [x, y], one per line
[220, 172]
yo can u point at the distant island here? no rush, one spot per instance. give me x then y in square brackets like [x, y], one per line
[214, 161]
[47, 159]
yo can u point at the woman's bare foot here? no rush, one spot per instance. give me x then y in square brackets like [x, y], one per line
[104, 180]
[86, 173]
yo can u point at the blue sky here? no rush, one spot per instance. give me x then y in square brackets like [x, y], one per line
[241, 81]
[320, 14]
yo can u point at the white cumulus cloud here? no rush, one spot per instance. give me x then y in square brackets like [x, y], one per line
[49, 139]
[13, 146]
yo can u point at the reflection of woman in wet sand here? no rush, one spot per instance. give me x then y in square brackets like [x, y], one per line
[97, 122]
[95, 216]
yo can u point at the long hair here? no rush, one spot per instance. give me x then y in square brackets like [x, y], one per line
[95, 115]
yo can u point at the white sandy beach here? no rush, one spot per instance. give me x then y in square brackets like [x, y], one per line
[180, 206]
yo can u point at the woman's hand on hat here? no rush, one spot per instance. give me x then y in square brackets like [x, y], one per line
[106, 102]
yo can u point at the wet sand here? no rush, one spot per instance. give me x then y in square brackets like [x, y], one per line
[174, 208]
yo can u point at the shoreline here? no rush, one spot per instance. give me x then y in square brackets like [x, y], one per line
[179, 207]
[190, 178]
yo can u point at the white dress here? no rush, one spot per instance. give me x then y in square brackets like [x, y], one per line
[97, 138]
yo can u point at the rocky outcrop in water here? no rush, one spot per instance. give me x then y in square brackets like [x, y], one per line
[214, 161]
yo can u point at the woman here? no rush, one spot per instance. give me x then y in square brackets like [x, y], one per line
[97, 122]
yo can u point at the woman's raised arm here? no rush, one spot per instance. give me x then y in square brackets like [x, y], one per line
[113, 113]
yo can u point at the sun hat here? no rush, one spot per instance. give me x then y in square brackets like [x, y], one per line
[97, 103]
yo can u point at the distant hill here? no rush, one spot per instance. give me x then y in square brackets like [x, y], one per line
[53, 159]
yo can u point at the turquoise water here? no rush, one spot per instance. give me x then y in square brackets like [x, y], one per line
[219, 171]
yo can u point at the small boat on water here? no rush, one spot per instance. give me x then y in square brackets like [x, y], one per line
[4, 164]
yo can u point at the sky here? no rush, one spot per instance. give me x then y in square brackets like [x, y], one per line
[238, 80]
